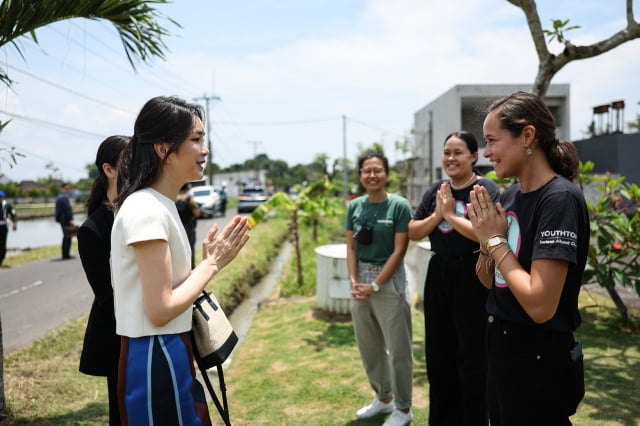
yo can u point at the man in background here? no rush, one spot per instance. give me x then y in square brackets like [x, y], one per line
[223, 200]
[189, 212]
[64, 216]
[7, 212]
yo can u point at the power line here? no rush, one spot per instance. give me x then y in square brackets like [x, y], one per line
[125, 68]
[71, 91]
[238, 134]
[49, 123]
[40, 157]
[374, 127]
[279, 123]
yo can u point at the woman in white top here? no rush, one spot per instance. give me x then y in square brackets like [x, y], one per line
[154, 286]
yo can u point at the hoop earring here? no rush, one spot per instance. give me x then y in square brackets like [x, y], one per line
[529, 150]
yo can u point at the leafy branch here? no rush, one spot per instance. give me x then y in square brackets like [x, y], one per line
[559, 28]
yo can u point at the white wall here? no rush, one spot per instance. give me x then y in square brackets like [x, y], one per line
[462, 106]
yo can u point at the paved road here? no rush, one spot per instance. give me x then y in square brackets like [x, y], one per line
[44, 295]
[40, 297]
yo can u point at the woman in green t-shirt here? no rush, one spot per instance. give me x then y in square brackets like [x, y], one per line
[377, 237]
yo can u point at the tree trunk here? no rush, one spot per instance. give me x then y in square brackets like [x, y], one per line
[3, 405]
[296, 243]
[617, 300]
[550, 64]
[314, 222]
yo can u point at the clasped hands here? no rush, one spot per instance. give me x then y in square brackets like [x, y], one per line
[445, 203]
[361, 291]
[220, 249]
[487, 219]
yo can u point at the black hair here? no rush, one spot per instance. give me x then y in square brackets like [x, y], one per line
[521, 109]
[373, 154]
[468, 138]
[163, 119]
[108, 152]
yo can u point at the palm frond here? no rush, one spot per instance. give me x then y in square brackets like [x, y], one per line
[136, 21]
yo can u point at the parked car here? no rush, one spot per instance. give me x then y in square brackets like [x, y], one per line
[207, 198]
[250, 198]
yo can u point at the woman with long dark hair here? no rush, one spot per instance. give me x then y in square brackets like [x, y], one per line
[154, 285]
[101, 347]
[533, 251]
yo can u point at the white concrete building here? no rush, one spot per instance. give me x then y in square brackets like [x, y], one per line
[461, 108]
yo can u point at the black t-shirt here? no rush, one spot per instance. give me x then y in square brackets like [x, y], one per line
[551, 222]
[445, 240]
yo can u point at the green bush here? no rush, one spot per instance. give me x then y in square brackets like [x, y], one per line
[329, 232]
[232, 284]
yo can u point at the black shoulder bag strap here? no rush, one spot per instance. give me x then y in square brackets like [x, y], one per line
[223, 408]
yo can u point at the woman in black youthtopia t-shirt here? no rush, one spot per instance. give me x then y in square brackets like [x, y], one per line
[533, 248]
[454, 299]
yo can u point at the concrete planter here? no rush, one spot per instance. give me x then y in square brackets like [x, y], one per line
[332, 283]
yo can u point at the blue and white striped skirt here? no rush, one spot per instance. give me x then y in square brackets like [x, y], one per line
[156, 383]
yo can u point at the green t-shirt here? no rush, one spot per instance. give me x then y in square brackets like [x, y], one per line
[386, 219]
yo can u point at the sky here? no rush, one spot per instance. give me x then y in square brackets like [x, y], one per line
[293, 79]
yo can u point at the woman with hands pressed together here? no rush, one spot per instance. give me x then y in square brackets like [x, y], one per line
[533, 248]
[454, 298]
[376, 234]
[154, 286]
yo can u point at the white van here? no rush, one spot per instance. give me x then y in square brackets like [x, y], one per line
[207, 198]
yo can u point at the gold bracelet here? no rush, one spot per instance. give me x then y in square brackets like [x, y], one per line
[489, 263]
[496, 235]
[493, 249]
[502, 258]
[481, 251]
[480, 261]
[494, 241]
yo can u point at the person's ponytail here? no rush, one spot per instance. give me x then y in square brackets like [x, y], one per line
[109, 152]
[563, 159]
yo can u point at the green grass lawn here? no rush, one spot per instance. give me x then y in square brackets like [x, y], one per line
[299, 365]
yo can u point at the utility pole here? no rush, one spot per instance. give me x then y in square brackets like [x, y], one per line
[255, 161]
[206, 100]
[344, 159]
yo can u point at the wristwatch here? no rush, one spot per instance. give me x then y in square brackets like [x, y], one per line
[494, 242]
[376, 287]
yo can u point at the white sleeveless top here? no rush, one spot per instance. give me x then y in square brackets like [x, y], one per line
[146, 215]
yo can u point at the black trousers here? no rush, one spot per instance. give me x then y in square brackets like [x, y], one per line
[533, 378]
[4, 231]
[191, 236]
[114, 408]
[455, 317]
[66, 243]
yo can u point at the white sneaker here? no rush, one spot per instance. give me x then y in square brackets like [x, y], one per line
[399, 418]
[375, 408]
